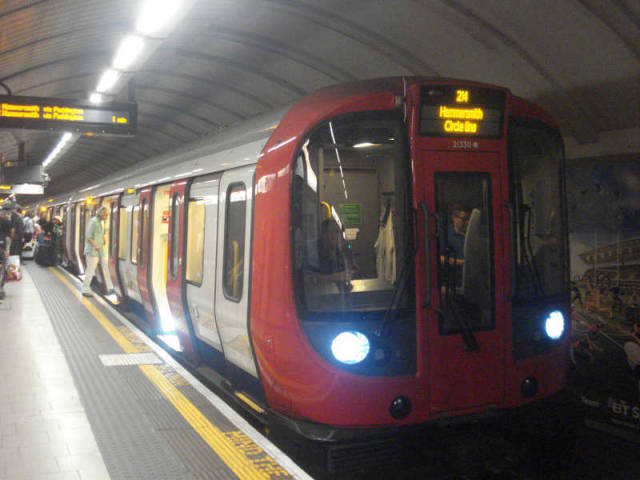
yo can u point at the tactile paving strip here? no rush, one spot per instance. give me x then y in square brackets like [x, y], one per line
[124, 359]
[139, 433]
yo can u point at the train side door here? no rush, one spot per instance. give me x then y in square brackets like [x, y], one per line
[176, 286]
[100, 273]
[87, 212]
[76, 251]
[463, 314]
[114, 244]
[128, 251]
[63, 241]
[159, 221]
[81, 228]
[143, 255]
[201, 259]
[232, 277]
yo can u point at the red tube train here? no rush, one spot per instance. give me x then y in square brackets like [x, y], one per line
[384, 253]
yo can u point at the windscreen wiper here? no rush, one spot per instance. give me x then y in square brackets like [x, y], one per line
[389, 315]
[469, 339]
[407, 265]
[528, 253]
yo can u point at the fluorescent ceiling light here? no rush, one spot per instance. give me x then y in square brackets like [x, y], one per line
[107, 80]
[155, 15]
[58, 148]
[130, 48]
[364, 145]
[95, 97]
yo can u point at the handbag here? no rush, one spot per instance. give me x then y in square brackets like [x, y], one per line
[13, 269]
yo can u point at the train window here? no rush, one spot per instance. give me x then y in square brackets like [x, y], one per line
[107, 226]
[112, 237]
[144, 233]
[195, 241]
[175, 236]
[88, 213]
[465, 275]
[233, 262]
[351, 219]
[122, 233]
[77, 228]
[135, 221]
[85, 215]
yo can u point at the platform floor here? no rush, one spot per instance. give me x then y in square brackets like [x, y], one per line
[85, 396]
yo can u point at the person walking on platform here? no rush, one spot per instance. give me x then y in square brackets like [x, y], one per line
[29, 228]
[17, 228]
[94, 252]
[5, 243]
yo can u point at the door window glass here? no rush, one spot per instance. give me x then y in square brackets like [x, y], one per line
[144, 235]
[233, 263]
[175, 236]
[465, 274]
[135, 225]
[112, 236]
[78, 228]
[195, 240]
[122, 233]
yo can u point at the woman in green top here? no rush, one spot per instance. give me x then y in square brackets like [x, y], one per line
[94, 252]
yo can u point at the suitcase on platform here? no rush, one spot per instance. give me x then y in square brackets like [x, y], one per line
[44, 255]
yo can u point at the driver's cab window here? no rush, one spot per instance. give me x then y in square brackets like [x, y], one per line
[465, 274]
[349, 214]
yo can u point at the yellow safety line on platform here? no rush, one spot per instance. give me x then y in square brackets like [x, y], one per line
[226, 445]
[126, 345]
[249, 402]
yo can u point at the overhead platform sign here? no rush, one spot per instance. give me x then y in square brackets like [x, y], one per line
[23, 189]
[68, 115]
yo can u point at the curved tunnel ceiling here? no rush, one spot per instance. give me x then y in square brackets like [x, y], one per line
[230, 60]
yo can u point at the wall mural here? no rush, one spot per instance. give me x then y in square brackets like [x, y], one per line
[604, 225]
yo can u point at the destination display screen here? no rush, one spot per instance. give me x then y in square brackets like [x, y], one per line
[461, 111]
[58, 114]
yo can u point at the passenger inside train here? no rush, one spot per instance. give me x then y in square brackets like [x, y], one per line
[465, 253]
[457, 231]
[334, 255]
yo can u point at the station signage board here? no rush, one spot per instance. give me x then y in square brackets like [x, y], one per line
[22, 189]
[69, 115]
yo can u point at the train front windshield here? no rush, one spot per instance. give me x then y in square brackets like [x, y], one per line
[540, 258]
[536, 196]
[350, 217]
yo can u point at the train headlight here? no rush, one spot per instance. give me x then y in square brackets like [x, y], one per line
[554, 325]
[350, 347]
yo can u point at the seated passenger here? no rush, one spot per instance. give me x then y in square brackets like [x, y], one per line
[335, 261]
